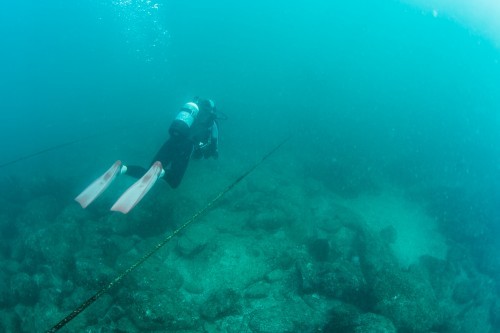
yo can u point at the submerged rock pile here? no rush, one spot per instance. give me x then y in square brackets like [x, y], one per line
[264, 261]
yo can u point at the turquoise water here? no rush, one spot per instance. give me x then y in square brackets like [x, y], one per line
[390, 177]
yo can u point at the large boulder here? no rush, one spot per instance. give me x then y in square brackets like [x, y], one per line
[271, 321]
[341, 279]
[407, 299]
[291, 316]
[346, 318]
[151, 310]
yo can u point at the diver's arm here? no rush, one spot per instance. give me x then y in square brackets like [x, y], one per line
[213, 149]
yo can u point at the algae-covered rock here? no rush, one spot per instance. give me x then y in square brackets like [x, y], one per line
[92, 274]
[38, 211]
[294, 315]
[5, 290]
[465, 291]
[221, 303]
[342, 280]
[342, 318]
[306, 273]
[275, 275]
[11, 322]
[188, 247]
[260, 289]
[24, 288]
[373, 323]
[152, 310]
[319, 248]
[346, 318]
[495, 314]
[269, 220]
[407, 299]
[271, 321]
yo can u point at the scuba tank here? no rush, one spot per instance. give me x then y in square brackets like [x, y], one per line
[184, 119]
[188, 113]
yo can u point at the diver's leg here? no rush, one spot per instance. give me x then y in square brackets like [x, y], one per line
[163, 155]
[135, 171]
[179, 165]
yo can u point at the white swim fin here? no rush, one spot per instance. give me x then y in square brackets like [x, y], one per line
[138, 190]
[100, 184]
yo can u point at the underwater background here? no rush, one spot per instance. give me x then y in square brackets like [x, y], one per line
[379, 214]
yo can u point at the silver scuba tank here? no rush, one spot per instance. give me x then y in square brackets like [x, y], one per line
[188, 113]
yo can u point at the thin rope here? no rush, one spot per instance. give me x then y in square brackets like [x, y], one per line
[109, 132]
[43, 151]
[158, 246]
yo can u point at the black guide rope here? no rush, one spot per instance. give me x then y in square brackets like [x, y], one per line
[158, 246]
[43, 151]
[109, 132]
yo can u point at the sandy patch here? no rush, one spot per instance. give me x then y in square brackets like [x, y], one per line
[417, 232]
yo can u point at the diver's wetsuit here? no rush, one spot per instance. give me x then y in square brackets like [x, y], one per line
[175, 153]
[174, 156]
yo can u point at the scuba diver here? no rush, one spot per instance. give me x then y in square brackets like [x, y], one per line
[193, 133]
